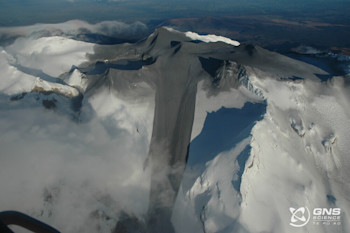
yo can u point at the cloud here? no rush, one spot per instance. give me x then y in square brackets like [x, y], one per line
[211, 38]
[73, 176]
[74, 28]
[76, 176]
[207, 38]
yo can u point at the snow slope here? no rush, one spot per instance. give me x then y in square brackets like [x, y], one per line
[31, 64]
[298, 157]
[52, 55]
[13, 81]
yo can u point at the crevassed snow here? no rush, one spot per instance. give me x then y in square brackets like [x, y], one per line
[299, 157]
[292, 169]
[298, 169]
[53, 55]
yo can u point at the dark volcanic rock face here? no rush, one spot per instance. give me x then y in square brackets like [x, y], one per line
[175, 81]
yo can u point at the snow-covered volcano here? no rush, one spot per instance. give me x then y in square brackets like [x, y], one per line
[177, 133]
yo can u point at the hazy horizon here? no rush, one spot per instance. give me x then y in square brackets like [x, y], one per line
[19, 13]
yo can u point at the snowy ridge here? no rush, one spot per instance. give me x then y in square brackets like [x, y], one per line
[76, 79]
[43, 86]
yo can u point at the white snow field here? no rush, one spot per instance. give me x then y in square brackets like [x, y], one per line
[299, 155]
[75, 146]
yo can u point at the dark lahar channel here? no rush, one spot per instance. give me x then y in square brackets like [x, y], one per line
[222, 131]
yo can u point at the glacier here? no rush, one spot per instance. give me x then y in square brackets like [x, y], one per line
[124, 137]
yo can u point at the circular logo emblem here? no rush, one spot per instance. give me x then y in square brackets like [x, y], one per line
[300, 217]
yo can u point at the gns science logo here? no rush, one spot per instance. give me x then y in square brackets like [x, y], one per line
[300, 217]
[326, 216]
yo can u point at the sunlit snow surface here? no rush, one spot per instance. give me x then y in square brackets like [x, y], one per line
[286, 168]
[79, 172]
